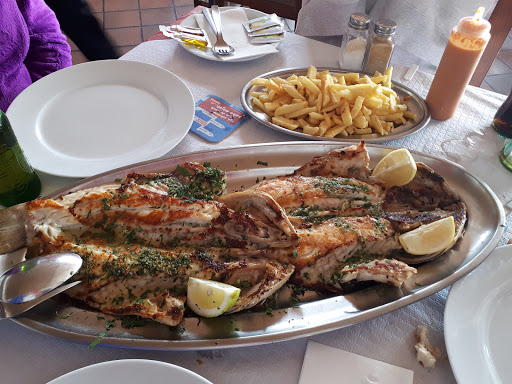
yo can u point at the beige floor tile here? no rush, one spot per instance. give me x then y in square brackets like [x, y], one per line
[121, 5]
[144, 4]
[157, 16]
[122, 19]
[78, 57]
[99, 17]
[506, 57]
[179, 3]
[72, 44]
[149, 30]
[95, 5]
[180, 11]
[123, 50]
[124, 36]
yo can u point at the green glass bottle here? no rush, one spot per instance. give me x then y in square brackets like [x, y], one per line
[18, 181]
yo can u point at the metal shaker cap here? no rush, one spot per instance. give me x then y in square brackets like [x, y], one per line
[385, 27]
[359, 21]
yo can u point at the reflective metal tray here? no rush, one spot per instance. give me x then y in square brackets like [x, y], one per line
[484, 230]
[416, 105]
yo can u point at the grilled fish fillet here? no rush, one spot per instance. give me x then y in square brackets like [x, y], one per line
[133, 279]
[347, 224]
[142, 239]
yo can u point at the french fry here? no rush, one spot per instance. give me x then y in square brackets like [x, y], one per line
[312, 87]
[356, 108]
[312, 72]
[259, 81]
[363, 131]
[284, 122]
[409, 115]
[345, 115]
[292, 91]
[289, 108]
[260, 105]
[300, 112]
[311, 130]
[360, 121]
[335, 131]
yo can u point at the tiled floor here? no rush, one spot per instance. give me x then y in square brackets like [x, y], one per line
[128, 23]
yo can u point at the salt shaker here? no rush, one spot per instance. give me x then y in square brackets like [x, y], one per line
[380, 47]
[354, 43]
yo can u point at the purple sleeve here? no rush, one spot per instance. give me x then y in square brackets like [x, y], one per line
[49, 50]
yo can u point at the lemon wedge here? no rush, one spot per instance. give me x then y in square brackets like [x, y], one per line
[429, 238]
[397, 168]
[210, 298]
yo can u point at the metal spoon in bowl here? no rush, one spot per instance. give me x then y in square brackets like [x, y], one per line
[36, 280]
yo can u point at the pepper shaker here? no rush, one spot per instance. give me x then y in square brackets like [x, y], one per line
[380, 47]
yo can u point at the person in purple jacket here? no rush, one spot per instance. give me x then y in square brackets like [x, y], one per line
[31, 46]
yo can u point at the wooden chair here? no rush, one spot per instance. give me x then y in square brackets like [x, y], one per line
[501, 24]
[289, 9]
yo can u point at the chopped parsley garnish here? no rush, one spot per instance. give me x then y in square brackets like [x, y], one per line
[109, 324]
[262, 163]
[242, 284]
[63, 316]
[133, 321]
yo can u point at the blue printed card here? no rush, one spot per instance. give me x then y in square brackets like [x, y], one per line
[216, 118]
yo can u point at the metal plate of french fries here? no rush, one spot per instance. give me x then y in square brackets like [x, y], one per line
[335, 105]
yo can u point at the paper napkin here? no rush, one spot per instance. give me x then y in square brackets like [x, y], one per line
[328, 365]
[235, 35]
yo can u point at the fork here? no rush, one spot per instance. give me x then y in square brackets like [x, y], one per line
[220, 47]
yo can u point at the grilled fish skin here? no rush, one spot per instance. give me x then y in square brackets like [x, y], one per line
[190, 180]
[341, 249]
[352, 161]
[425, 199]
[323, 195]
[262, 207]
[131, 212]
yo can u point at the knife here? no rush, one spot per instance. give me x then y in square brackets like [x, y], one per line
[206, 13]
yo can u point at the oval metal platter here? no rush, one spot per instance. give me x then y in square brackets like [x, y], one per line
[315, 314]
[415, 104]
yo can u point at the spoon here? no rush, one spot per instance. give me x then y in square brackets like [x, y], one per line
[36, 280]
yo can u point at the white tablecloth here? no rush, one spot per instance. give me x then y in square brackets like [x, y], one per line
[468, 139]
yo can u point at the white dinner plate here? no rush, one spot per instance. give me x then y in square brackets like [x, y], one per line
[477, 322]
[131, 371]
[191, 22]
[101, 115]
